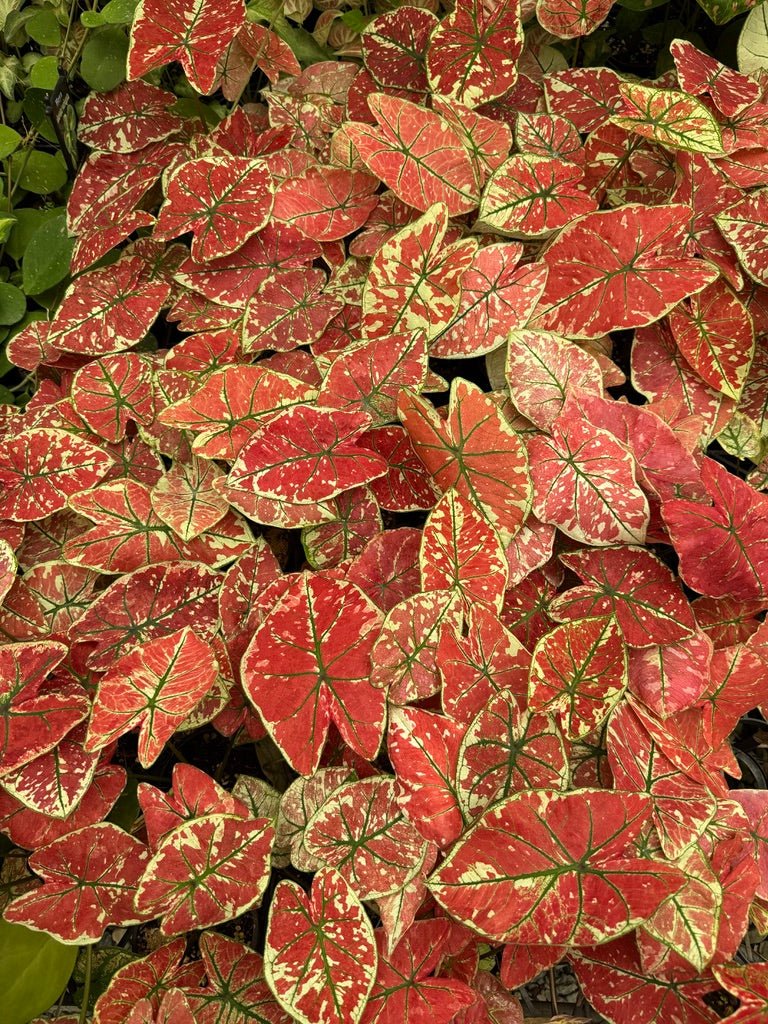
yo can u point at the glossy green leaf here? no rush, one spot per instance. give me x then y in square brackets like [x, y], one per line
[34, 968]
[103, 61]
[47, 256]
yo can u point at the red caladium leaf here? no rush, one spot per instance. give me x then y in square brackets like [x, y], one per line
[221, 200]
[423, 748]
[405, 992]
[474, 451]
[206, 871]
[186, 500]
[361, 831]
[414, 281]
[289, 309]
[461, 552]
[670, 678]
[722, 545]
[196, 34]
[326, 203]
[309, 662]
[579, 671]
[358, 520]
[714, 331]
[475, 667]
[639, 274]
[404, 657]
[393, 47]
[41, 468]
[531, 196]
[473, 53]
[320, 954]
[89, 881]
[699, 73]
[572, 853]
[68, 763]
[128, 118]
[584, 483]
[522, 963]
[417, 154]
[236, 985]
[672, 118]
[586, 96]
[147, 979]
[506, 750]
[749, 983]
[634, 586]
[743, 225]
[149, 603]
[154, 687]
[306, 454]
[569, 19]
[541, 369]
[225, 411]
[406, 486]
[615, 983]
[111, 392]
[108, 309]
[297, 805]
[497, 296]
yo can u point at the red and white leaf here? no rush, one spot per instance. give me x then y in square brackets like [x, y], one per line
[743, 225]
[473, 53]
[636, 273]
[671, 678]
[586, 96]
[406, 486]
[128, 118]
[55, 782]
[289, 309]
[186, 500]
[554, 864]
[196, 34]
[579, 672]
[361, 831]
[570, 19]
[394, 45]
[320, 955]
[417, 154]
[41, 468]
[206, 871]
[531, 196]
[111, 392]
[326, 203]
[89, 881]
[699, 73]
[309, 663]
[153, 687]
[236, 985]
[221, 200]
[673, 119]
[306, 454]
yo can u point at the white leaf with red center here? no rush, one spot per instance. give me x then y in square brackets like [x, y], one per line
[722, 546]
[89, 881]
[634, 586]
[55, 782]
[109, 309]
[394, 45]
[194, 33]
[236, 985]
[473, 53]
[370, 375]
[149, 603]
[306, 454]
[406, 991]
[361, 831]
[110, 392]
[326, 203]
[743, 225]
[474, 451]
[320, 955]
[571, 19]
[532, 196]
[225, 411]
[578, 673]
[221, 200]
[671, 678]
[404, 656]
[634, 273]
[497, 296]
[153, 687]
[40, 469]
[423, 748]
[584, 484]
[541, 368]
[207, 871]
[406, 486]
[128, 118]
[461, 552]
[309, 662]
[673, 119]
[289, 309]
[186, 500]
[714, 331]
[560, 865]
[506, 750]
[417, 154]
[414, 281]
[475, 667]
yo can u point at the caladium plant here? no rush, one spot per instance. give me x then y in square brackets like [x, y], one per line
[382, 567]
